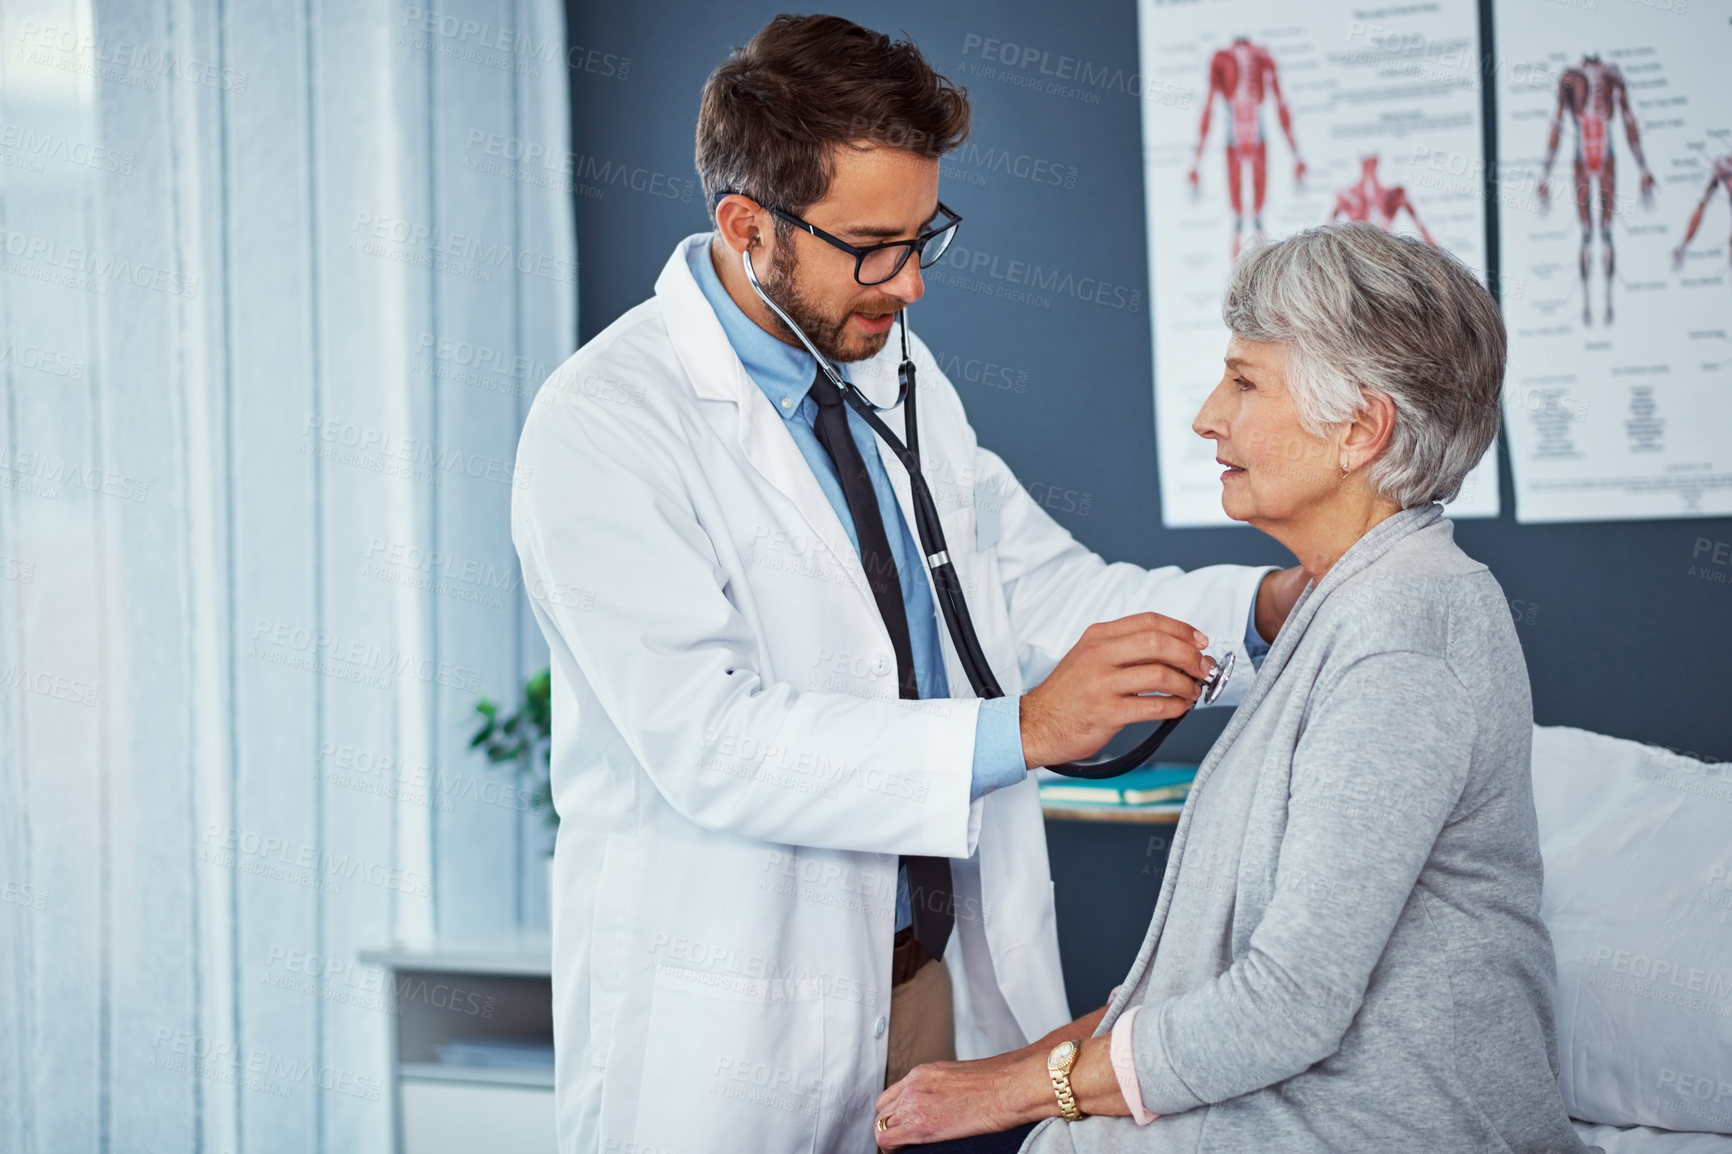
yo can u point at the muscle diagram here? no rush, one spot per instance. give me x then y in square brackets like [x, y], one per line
[1720, 178]
[1593, 95]
[1242, 75]
[1369, 199]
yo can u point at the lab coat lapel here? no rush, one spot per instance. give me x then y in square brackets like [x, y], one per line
[736, 407]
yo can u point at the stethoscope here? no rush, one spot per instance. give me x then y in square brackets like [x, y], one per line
[926, 523]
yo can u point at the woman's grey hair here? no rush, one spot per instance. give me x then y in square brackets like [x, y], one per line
[1359, 309]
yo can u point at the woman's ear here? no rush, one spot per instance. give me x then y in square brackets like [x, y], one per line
[1367, 432]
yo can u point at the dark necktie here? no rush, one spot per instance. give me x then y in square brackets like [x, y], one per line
[928, 877]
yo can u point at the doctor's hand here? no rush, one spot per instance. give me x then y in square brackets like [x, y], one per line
[1095, 691]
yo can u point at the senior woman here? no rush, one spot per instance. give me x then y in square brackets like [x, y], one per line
[1347, 953]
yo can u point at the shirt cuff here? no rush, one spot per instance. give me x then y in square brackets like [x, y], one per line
[998, 759]
[1125, 1067]
[1255, 647]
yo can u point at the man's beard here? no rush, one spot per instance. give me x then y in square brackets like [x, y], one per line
[826, 333]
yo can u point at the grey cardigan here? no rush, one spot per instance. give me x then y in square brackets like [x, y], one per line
[1347, 952]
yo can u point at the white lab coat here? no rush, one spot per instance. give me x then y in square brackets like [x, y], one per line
[734, 774]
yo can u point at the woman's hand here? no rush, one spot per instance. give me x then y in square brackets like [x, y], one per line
[942, 1100]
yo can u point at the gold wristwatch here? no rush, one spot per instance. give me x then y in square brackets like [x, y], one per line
[1058, 1064]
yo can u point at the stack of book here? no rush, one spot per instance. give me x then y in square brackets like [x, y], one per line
[502, 1053]
[1158, 784]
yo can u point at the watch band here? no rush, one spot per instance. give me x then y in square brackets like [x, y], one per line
[1060, 1074]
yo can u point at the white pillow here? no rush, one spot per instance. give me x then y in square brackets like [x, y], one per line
[1638, 896]
[1647, 1140]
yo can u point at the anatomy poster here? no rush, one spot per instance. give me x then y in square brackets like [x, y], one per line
[1264, 117]
[1614, 208]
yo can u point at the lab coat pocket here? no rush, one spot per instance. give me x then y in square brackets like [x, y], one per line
[732, 1062]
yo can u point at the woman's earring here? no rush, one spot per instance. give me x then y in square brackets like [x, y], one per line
[1344, 470]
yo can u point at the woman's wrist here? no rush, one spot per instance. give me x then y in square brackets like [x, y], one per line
[1095, 1081]
[1031, 1085]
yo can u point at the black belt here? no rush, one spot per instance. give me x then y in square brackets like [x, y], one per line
[906, 957]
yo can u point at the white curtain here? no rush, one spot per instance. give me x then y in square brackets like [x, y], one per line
[280, 279]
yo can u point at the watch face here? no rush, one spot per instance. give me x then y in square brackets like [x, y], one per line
[1060, 1055]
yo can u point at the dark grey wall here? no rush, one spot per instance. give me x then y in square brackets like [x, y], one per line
[1619, 637]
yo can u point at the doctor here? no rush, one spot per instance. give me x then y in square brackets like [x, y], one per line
[766, 841]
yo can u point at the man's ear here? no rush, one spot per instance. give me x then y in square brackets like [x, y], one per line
[1368, 430]
[741, 222]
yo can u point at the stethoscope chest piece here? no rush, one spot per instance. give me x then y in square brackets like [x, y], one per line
[1213, 685]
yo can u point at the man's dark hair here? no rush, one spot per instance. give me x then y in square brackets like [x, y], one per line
[774, 111]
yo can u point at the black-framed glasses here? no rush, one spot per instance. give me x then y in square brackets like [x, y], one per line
[877, 263]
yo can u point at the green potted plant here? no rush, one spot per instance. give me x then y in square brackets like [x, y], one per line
[523, 738]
